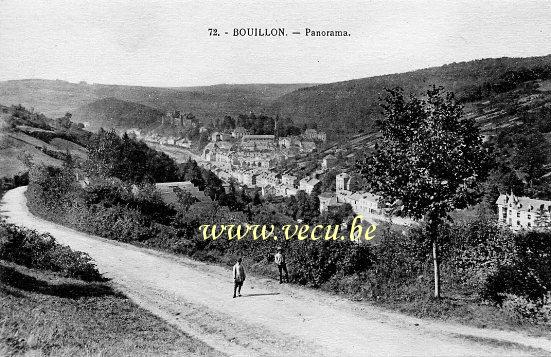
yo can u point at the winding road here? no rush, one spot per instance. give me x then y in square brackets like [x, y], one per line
[270, 319]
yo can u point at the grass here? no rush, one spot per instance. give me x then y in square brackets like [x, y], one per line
[44, 314]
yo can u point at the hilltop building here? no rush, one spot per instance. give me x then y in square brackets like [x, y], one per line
[177, 118]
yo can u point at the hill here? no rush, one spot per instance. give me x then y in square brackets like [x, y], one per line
[340, 108]
[114, 113]
[28, 138]
[55, 98]
[352, 106]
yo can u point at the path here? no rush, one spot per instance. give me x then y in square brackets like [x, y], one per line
[270, 319]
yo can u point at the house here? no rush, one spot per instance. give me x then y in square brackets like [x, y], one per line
[342, 182]
[519, 213]
[308, 146]
[308, 184]
[183, 142]
[169, 191]
[269, 190]
[327, 199]
[239, 132]
[328, 162]
[249, 178]
[258, 142]
[364, 203]
[289, 180]
[313, 134]
[285, 142]
[367, 203]
[218, 136]
[267, 179]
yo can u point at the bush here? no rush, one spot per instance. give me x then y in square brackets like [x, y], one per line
[520, 309]
[41, 251]
[317, 262]
[513, 279]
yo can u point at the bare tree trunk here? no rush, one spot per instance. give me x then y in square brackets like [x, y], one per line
[436, 269]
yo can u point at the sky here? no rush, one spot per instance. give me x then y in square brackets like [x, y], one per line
[167, 43]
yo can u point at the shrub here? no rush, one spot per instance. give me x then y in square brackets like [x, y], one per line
[41, 251]
[520, 309]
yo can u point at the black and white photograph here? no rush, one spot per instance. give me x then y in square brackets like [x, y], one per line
[275, 178]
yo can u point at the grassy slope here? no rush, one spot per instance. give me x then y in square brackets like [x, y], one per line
[16, 147]
[42, 312]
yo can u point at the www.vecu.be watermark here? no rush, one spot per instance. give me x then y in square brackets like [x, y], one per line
[290, 231]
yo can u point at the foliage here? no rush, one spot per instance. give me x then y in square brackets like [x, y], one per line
[317, 263]
[128, 160]
[7, 183]
[111, 209]
[351, 106]
[429, 159]
[521, 159]
[41, 251]
[429, 162]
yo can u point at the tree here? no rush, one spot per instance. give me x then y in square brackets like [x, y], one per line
[430, 161]
[185, 200]
[541, 219]
[530, 155]
[65, 121]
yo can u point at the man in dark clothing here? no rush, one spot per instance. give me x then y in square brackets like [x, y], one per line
[238, 277]
[279, 259]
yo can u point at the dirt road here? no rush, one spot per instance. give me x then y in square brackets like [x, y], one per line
[270, 319]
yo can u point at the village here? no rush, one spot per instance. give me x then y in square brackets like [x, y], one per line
[251, 161]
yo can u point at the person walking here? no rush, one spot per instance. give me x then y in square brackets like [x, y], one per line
[279, 259]
[238, 276]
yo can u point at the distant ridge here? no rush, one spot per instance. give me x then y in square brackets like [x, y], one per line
[339, 108]
[56, 97]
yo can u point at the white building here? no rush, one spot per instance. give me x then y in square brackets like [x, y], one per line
[520, 213]
[313, 134]
[308, 184]
[258, 142]
[289, 180]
